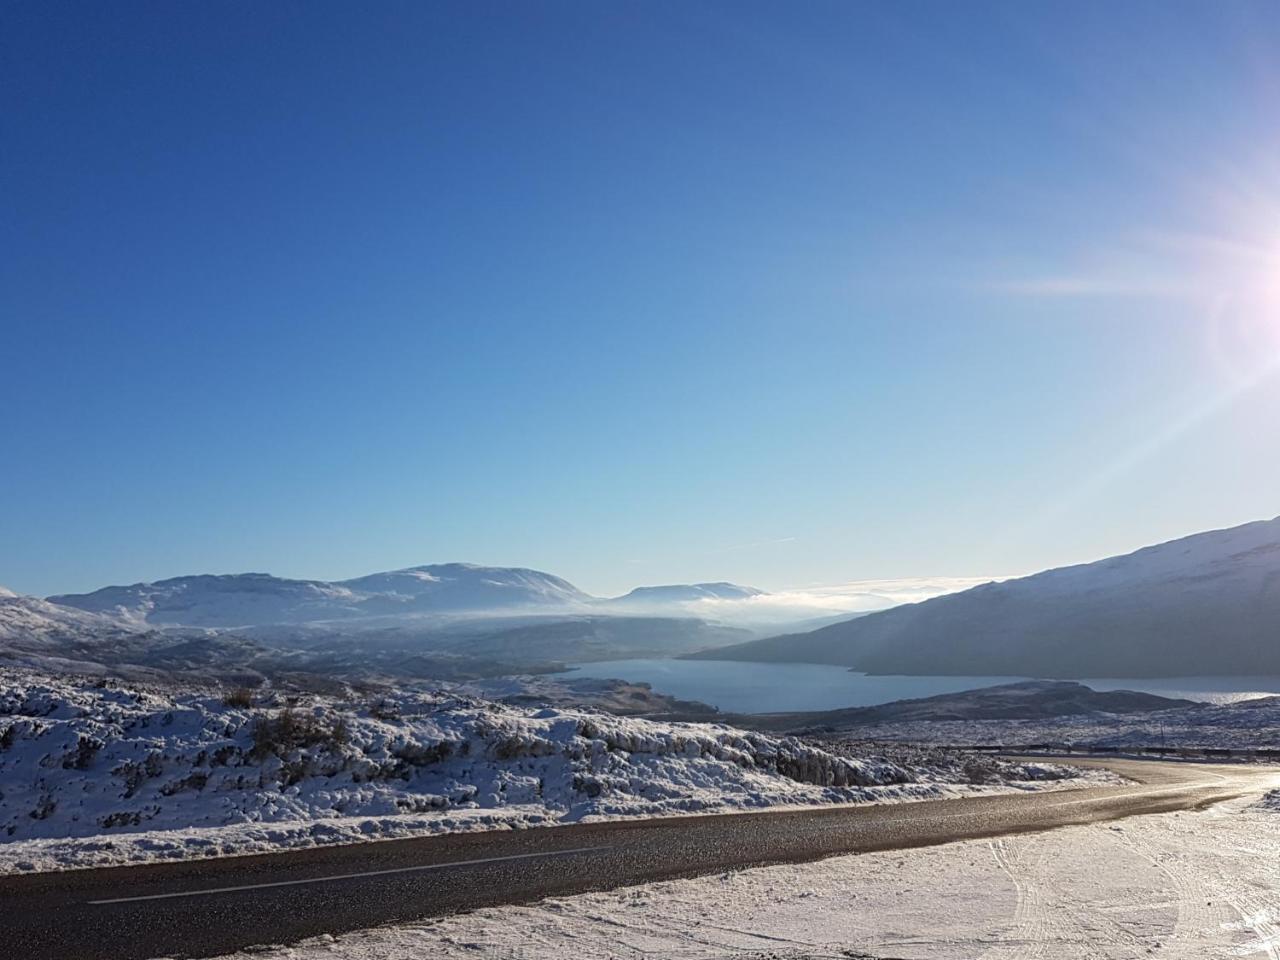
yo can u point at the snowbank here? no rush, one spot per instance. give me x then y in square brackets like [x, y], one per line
[97, 771]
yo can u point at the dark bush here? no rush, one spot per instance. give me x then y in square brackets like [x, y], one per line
[288, 730]
[239, 697]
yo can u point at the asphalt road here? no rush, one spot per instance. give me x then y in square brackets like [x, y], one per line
[211, 907]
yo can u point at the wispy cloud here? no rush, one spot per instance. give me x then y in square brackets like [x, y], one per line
[818, 600]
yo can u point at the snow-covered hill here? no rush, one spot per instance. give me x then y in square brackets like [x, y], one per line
[45, 636]
[247, 599]
[36, 623]
[1024, 700]
[140, 772]
[685, 593]
[463, 587]
[1242, 725]
[1207, 604]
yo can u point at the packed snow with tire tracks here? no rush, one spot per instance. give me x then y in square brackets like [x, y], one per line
[1179, 886]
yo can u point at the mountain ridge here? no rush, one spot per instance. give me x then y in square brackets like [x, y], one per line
[228, 601]
[688, 593]
[1205, 604]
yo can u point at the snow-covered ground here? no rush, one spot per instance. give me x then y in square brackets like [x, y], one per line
[98, 771]
[1244, 723]
[1182, 886]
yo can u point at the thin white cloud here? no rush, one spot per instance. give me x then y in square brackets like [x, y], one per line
[819, 600]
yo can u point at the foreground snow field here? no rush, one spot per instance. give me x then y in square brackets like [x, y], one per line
[1182, 886]
[97, 771]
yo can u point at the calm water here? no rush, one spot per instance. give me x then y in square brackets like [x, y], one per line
[770, 687]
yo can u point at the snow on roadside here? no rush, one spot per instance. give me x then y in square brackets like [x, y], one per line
[97, 771]
[1181, 886]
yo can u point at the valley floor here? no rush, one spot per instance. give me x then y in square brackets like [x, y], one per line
[1183, 886]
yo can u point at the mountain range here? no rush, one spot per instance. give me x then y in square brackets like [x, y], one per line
[253, 599]
[1207, 604]
[448, 589]
[437, 622]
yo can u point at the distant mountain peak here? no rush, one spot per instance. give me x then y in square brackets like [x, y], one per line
[688, 592]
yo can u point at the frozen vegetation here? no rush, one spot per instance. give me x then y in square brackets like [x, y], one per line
[97, 771]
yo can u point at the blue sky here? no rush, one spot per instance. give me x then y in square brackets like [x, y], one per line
[777, 293]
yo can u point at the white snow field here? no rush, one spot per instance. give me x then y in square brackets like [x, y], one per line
[1181, 886]
[96, 771]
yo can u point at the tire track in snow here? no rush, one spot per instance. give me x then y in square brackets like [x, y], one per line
[1062, 910]
[1033, 923]
[1201, 914]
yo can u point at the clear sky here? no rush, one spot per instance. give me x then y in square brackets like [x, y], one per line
[633, 292]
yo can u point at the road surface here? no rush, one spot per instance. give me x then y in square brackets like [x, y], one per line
[211, 907]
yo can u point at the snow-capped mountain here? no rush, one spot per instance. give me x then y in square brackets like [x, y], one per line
[464, 586]
[686, 593]
[1207, 604]
[248, 599]
[448, 590]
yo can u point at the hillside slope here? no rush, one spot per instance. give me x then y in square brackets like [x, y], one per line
[1026, 700]
[1207, 604]
[37, 624]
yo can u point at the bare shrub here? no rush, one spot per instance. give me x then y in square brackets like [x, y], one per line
[240, 697]
[289, 730]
